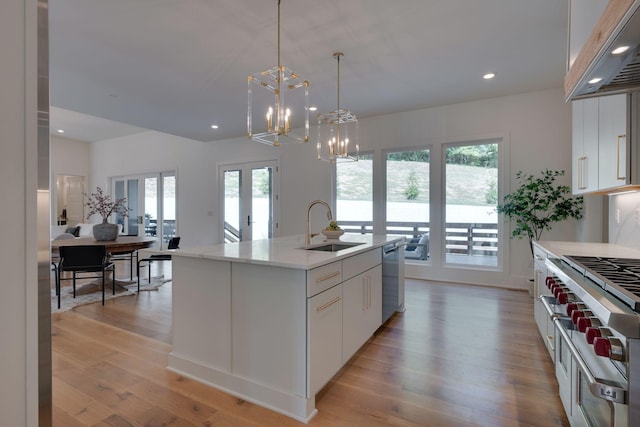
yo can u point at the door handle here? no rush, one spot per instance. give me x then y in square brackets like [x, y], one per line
[248, 220]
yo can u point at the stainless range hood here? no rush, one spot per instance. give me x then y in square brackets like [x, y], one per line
[619, 25]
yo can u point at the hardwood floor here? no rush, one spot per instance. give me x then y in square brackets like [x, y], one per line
[459, 356]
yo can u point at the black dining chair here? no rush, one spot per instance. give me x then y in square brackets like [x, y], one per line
[173, 244]
[126, 256]
[84, 259]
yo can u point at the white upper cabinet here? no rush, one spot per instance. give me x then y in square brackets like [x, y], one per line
[612, 141]
[585, 146]
[600, 144]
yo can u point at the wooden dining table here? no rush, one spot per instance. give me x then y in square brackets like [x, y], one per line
[121, 244]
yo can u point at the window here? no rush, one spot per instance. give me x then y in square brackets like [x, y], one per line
[354, 195]
[471, 196]
[408, 199]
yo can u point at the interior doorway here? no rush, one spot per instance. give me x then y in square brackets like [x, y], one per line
[68, 208]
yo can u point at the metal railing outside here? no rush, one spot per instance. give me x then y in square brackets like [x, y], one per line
[461, 238]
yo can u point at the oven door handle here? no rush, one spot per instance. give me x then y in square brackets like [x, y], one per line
[603, 389]
[547, 305]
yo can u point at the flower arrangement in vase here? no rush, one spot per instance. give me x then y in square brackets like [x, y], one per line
[100, 203]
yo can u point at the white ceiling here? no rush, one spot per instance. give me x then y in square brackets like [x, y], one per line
[177, 66]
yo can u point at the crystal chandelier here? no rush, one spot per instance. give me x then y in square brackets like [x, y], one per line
[334, 129]
[283, 105]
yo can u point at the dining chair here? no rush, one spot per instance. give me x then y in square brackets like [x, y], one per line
[126, 256]
[173, 244]
[55, 258]
[84, 259]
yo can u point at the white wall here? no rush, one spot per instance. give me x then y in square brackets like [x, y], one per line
[536, 128]
[626, 231]
[67, 157]
[18, 256]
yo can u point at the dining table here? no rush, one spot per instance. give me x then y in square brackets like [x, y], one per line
[120, 245]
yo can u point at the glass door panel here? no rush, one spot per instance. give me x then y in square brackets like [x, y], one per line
[151, 206]
[471, 226]
[261, 202]
[168, 207]
[232, 200]
[408, 200]
[134, 208]
[128, 188]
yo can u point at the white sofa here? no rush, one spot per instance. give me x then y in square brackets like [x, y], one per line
[86, 229]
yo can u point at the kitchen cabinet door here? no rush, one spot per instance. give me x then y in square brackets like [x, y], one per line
[324, 337]
[585, 146]
[362, 310]
[612, 141]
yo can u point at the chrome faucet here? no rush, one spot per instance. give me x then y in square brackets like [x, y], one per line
[309, 235]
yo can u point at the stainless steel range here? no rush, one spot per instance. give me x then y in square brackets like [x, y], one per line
[594, 304]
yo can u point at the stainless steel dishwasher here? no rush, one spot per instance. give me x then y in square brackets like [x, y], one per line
[392, 279]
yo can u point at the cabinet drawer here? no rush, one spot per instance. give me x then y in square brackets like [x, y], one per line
[322, 278]
[356, 264]
[324, 338]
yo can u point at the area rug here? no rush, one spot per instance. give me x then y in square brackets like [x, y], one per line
[91, 293]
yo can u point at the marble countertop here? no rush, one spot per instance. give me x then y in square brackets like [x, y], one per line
[559, 249]
[287, 251]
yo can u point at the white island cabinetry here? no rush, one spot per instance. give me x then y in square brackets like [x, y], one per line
[271, 322]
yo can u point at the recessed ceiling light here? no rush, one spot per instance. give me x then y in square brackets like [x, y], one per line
[60, 130]
[594, 80]
[489, 76]
[313, 108]
[214, 126]
[619, 50]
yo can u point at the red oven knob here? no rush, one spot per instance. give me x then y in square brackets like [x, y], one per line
[562, 298]
[557, 290]
[575, 315]
[592, 334]
[584, 323]
[602, 346]
[550, 281]
[571, 307]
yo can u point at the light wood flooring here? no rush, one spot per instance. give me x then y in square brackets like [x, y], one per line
[459, 356]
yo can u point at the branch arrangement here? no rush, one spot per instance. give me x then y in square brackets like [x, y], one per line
[100, 203]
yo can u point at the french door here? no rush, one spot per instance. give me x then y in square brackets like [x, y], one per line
[248, 195]
[151, 199]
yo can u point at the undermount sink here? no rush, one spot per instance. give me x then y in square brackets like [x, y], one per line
[333, 247]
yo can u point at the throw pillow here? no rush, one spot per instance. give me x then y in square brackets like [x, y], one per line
[73, 230]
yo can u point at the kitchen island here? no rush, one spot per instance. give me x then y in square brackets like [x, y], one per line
[272, 321]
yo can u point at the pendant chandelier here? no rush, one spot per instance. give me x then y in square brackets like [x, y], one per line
[334, 129]
[282, 110]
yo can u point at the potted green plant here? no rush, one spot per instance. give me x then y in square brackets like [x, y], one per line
[100, 203]
[537, 203]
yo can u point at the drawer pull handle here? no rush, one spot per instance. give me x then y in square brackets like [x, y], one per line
[328, 304]
[327, 277]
